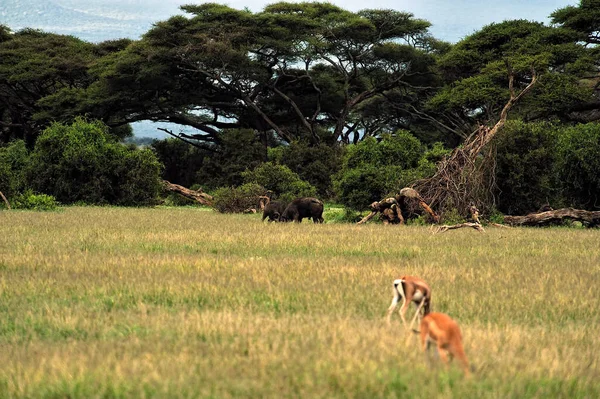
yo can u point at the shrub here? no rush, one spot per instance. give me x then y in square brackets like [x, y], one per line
[526, 167]
[314, 164]
[13, 161]
[238, 150]
[38, 202]
[82, 162]
[237, 199]
[181, 161]
[285, 184]
[136, 176]
[400, 149]
[360, 186]
[579, 165]
[372, 170]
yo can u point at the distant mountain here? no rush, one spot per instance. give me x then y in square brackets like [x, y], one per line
[94, 20]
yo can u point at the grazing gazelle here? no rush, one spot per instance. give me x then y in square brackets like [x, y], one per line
[410, 289]
[441, 329]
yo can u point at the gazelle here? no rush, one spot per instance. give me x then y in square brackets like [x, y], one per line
[410, 289]
[441, 329]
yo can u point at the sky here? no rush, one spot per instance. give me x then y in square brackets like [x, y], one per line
[451, 19]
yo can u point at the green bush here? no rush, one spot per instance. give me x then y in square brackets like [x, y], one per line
[37, 202]
[372, 170]
[14, 158]
[237, 199]
[136, 177]
[400, 149]
[579, 165]
[526, 167]
[181, 161]
[237, 151]
[315, 164]
[285, 184]
[360, 186]
[82, 162]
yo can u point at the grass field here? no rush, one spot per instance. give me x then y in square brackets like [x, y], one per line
[113, 302]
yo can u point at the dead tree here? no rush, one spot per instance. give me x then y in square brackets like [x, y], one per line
[589, 218]
[196, 195]
[391, 208]
[388, 208]
[475, 224]
[460, 179]
[407, 194]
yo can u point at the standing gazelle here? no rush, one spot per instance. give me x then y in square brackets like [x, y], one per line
[410, 289]
[444, 331]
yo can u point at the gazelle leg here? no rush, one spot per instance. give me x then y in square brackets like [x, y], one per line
[402, 311]
[425, 345]
[417, 313]
[392, 307]
[443, 355]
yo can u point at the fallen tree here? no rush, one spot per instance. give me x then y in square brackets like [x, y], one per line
[475, 224]
[391, 208]
[461, 178]
[444, 228]
[196, 195]
[589, 218]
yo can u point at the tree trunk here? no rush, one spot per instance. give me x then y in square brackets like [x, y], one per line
[591, 218]
[198, 196]
[5, 200]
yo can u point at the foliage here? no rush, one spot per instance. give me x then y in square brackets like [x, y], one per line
[82, 162]
[14, 159]
[452, 216]
[237, 199]
[526, 166]
[373, 169]
[42, 78]
[315, 164]
[311, 79]
[285, 184]
[583, 18]
[181, 161]
[36, 202]
[300, 70]
[223, 166]
[476, 73]
[579, 165]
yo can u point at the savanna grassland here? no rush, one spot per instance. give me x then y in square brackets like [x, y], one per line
[115, 302]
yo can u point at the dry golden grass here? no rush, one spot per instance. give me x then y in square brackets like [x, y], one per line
[111, 302]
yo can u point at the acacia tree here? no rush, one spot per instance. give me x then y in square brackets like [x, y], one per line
[584, 20]
[478, 68]
[533, 71]
[299, 71]
[43, 77]
[34, 65]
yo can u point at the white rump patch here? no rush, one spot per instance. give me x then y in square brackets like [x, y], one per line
[418, 296]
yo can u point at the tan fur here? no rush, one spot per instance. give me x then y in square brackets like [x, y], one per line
[414, 290]
[441, 329]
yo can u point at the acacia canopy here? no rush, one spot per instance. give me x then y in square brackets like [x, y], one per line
[477, 69]
[300, 70]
